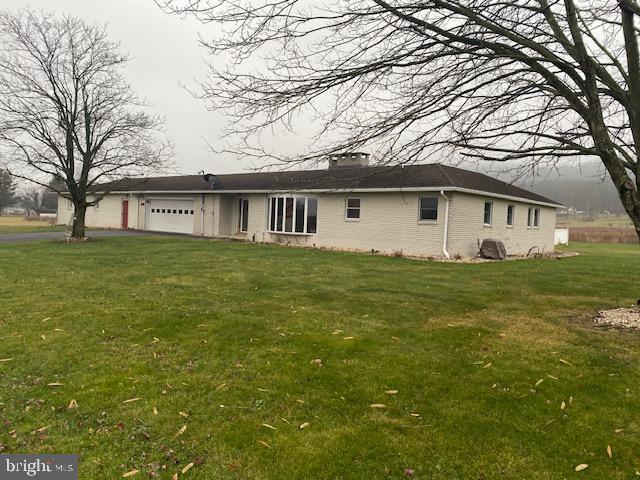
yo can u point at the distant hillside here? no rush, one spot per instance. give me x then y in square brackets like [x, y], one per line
[581, 187]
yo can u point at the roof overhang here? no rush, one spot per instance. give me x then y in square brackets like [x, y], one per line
[341, 190]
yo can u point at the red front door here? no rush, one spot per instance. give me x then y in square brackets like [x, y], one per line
[125, 214]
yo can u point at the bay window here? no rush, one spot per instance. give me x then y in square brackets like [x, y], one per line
[293, 214]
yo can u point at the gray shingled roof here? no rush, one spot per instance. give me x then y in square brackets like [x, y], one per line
[412, 176]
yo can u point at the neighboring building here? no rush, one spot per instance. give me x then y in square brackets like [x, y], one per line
[419, 210]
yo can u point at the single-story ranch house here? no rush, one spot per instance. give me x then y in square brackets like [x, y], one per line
[419, 210]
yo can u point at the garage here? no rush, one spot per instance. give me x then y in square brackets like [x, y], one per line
[170, 215]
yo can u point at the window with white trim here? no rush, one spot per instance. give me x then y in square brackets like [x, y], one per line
[488, 213]
[352, 208]
[529, 217]
[511, 209]
[428, 209]
[536, 218]
[289, 214]
[243, 214]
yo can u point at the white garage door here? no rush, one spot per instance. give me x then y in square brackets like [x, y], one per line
[170, 215]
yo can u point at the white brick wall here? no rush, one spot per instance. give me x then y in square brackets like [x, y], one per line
[466, 226]
[107, 215]
[388, 222]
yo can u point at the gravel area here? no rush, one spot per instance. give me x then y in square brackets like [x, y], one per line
[619, 317]
[551, 255]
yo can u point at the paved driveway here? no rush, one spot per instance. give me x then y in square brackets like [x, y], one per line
[28, 237]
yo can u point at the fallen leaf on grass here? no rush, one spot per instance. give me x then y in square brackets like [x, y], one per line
[618, 430]
[131, 400]
[155, 411]
[562, 360]
[378, 405]
[183, 414]
[487, 365]
[2, 360]
[187, 467]
[391, 392]
[552, 377]
[181, 431]
[130, 474]
[304, 425]
[414, 414]
[174, 476]
[72, 404]
[563, 406]
[539, 382]
[348, 338]
[269, 426]
[58, 330]
[609, 452]
[581, 467]
[337, 332]
[264, 444]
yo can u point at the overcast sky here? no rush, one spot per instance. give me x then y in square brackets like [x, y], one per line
[164, 53]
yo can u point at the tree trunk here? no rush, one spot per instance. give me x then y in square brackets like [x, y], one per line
[78, 228]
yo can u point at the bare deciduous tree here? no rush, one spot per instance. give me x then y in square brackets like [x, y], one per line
[525, 80]
[66, 110]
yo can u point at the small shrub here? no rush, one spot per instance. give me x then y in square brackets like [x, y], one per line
[398, 253]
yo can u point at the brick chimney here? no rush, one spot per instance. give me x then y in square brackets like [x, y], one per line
[348, 160]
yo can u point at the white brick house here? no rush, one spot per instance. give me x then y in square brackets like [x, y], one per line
[419, 210]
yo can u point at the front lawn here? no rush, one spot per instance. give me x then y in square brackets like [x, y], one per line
[152, 354]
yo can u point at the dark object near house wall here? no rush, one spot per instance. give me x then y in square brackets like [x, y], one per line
[493, 249]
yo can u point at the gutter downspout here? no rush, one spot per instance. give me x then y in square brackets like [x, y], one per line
[202, 216]
[446, 225]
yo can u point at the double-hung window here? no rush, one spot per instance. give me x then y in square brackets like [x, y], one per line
[510, 215]
[488, 213]
[536, 218]
[291, 214]
[353, 208]
[530, 218]
[428, 209]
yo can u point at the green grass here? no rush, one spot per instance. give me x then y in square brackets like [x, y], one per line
[228, 334]
[20, 225]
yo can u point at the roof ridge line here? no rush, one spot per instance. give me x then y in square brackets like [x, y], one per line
[446, 175]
